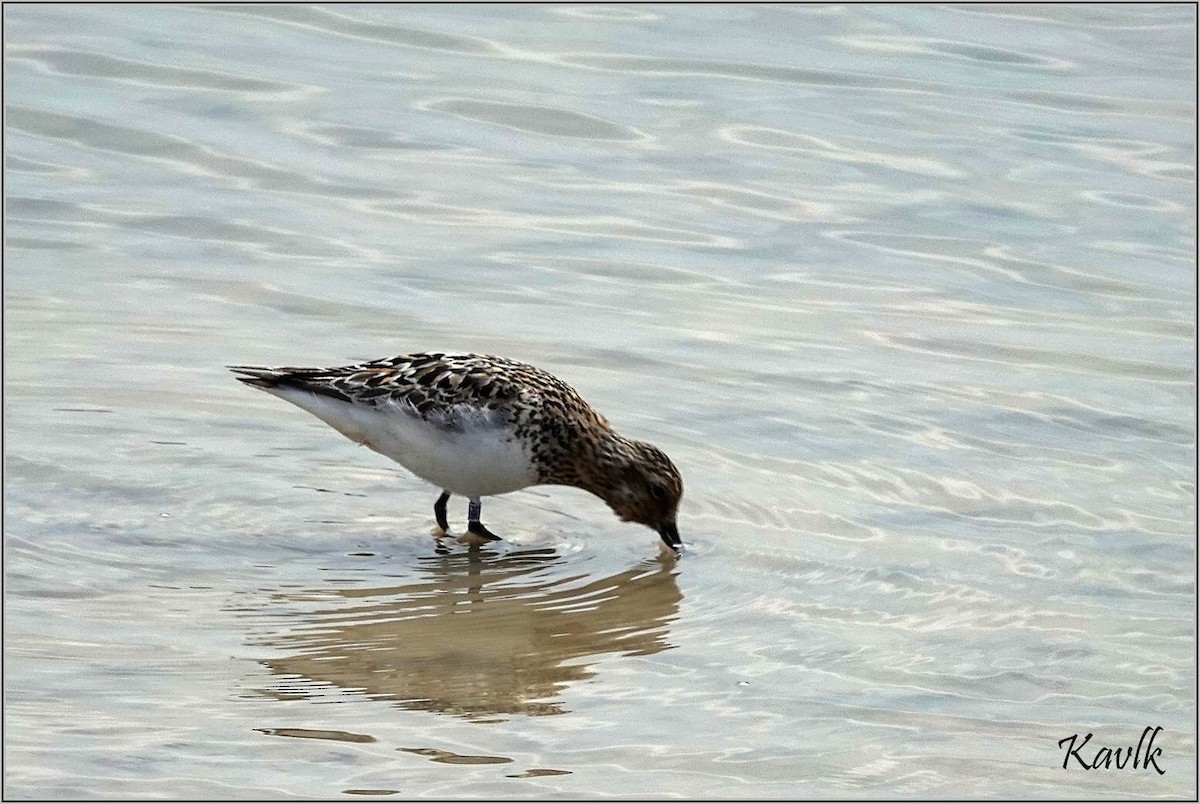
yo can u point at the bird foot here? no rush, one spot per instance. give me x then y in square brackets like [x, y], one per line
[480, 530]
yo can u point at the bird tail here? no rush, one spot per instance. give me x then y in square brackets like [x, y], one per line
[265, 377]
[283, 380]
[261, 376]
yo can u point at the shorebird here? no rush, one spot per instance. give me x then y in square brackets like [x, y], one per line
[478, 425]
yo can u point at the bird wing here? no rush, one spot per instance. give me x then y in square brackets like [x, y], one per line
[435, 386]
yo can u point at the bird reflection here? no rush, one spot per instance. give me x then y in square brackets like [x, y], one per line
[478, 635]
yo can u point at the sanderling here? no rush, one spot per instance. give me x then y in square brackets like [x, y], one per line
[477, 425]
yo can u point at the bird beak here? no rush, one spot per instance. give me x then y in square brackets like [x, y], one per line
[670, 536]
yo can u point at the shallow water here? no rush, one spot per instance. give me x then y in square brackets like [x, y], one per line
[907, 292]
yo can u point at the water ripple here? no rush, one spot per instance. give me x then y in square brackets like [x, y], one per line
[331, 22]
[190, 157]
[956, 51]
[610, 226]
[268, 240]
[1043, 358]
[97, 65]
[657, 66]
[803, 144]
[536, 119]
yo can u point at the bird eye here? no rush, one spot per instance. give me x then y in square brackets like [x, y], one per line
[658, 492]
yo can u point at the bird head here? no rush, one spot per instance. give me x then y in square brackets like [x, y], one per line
[640, 484]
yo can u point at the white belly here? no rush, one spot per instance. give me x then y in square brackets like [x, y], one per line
[479, 460]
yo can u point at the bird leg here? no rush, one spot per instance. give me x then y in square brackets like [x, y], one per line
[474, 525]
[439, 512]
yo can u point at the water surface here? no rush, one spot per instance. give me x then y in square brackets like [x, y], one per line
[908, 293]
